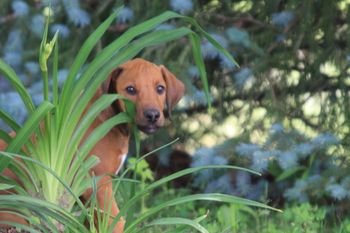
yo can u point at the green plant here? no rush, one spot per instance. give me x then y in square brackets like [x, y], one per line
[48, 154]
[302, 218]
[305, 218]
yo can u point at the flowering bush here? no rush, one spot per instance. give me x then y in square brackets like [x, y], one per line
[293, 68]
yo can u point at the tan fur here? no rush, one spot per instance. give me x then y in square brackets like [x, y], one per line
[145, 77]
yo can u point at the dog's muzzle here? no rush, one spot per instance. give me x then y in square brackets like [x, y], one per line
[151, 116]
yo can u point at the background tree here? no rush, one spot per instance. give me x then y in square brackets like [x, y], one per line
[283, 111]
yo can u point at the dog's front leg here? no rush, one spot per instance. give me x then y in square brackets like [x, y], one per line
[106, 202]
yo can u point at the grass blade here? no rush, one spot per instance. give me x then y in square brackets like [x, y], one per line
[171, 177]
[52, 172]
[9, 120]
[200, 64]
[26, 131]
[6, 186]
[5, 136]
[82, 56]
[16, 82]
[43, 209]
[178, 221]
[217, 197]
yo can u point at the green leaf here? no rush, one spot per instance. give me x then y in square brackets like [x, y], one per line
[5, 136]
[200, 64]
[94, 110]
[6, 186]
[9, 120]
[210, 38]
[23, 135]
[43, 210]
[140, 159]
[52, 172]
[16, 82]
[289, 172]
[82, 56]
[102, 130]
[55, 75]
[178, 221]
[217, 197]
[171, 177]
[182, 228]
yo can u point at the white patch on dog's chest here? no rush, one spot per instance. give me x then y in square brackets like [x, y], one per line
[123, 157]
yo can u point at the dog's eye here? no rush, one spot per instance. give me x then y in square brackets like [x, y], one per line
[131, 90]
[160, 89]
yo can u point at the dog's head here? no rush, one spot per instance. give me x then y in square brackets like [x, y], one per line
[149, 87]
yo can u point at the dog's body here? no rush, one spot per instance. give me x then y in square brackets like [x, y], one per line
[150, 87]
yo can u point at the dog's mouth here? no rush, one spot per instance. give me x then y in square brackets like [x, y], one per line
[148, 129]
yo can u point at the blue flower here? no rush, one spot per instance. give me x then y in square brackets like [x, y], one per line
[337, 191]
[165, 26]
[36, 88]
[193, 72]
[62, 76]
[209, 51]
[125, 15]
[14, 42]
[282, 19]
[238, 37]
[20, 8]
[260, 160]
[199, 97]
[78, 16]
[287, 160]
[64, 31]
[243, 183]
[37, 25]
[243, 76]
[206, 156]
[348, 58]
[13, 59]
[221, 185]
[346, 182]
[202, 156]
[182, 6]
[70, 3]
[246, 149]
[226, 63]
[314, 180]
[297, 192]
[304, 149]
[12, 103]
[37, 99]
[325, 140]
[52, 3]
[280, 38]
[32, 67]
[13, 49]
[36, 91]
[277, 128]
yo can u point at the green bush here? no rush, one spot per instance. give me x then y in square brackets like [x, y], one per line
[54, 168]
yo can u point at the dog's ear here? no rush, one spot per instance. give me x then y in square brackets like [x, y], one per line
[110, 85]
[175, 89]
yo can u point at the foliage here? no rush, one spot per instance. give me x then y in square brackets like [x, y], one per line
[239, 218]
[283, 112]
[48, 155]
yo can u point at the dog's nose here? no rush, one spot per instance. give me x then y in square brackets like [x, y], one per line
[152, 115]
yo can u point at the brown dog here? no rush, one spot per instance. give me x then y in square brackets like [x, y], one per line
[150, 87]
